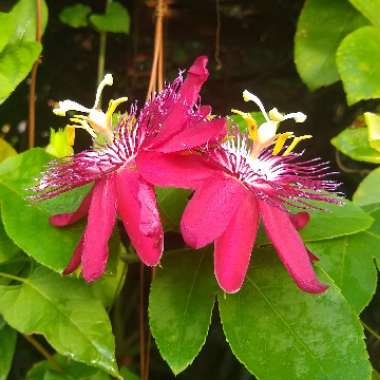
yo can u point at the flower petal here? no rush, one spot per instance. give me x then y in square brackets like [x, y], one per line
[174, 170]
[62, 220]
[187, 97]
[209, 212]
[139, 212]
[233, 249]
[201, 133]
[300, 219]
[75, 258]
[290, 247]
[100, 223]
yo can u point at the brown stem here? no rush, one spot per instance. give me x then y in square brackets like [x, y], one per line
[217, 37]
[33, 80]
[43, 351]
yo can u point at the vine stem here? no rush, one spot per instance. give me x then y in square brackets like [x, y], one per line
[371, 331]
[217, 36]
[33, 82]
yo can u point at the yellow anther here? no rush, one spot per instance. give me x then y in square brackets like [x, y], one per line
[113, 104]
[70, 130]
[280, 141]
[295, 142]
[250, 121]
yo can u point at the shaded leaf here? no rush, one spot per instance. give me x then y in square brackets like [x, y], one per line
[368, 190]
[279, 332]
[115, 20]
[6, 150]
[128, 375]
[8, 338]
[180, 306]
[358, 61]
[75, 15]
[369, 9]
[73, 321]
[16, 61]
[321, 27]
[7, 248]
[353, 142]
[27, 223]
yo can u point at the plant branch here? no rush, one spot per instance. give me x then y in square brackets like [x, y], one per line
[371, 331]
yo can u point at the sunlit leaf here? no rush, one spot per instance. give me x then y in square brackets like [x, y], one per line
[27, 223]
[321, 27]
[180, 305]
[358, 61]
[115, 20]
[279, 332]
[8, 338]
[369, 8]
[75, 15]
[6, 22]
[61, 142]
[66, 312]
[373, 124]
[353, 142]
[368, 190]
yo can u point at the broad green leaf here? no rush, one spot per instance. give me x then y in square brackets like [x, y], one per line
[358, 62]
[321, 27]
[369, 8]
[180, 305]
[7, 248]
[6, 22]
[336, 220]
[373, 123]
[66, 312]
[24, 15]
[279, 332]
[69, 370]
[27, 223]
[16, 61]
[353, 142]
[128, 375]
[75, 15]
[6, 150]
[368, 190]
[8, 338]
[171, 203]
[115, 20]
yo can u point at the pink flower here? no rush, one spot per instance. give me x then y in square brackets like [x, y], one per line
[171, 121]
[246, 180]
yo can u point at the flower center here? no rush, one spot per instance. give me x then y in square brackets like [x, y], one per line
[93, 120]
[265, 134]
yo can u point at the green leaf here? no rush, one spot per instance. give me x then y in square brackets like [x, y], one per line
[70, 370]
[27, 223]
[8, 249]
[66, 312]
[369, 9]
[128, 375]
[358, 62]
[353, 142]
[368, 190]
[75, 15]
[6, 22]
[61, 142]
[8, 338]
[171, 203]
[115, 20]
[375, 375]
[180, 306]
[16, 61]
[24, 15]
[335, 221]
[373, 123]
[279, 332]
[6, 150]
[321, 27]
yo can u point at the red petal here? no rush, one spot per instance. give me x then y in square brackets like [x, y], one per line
[174, 170]
[100, 223]
[210, 210]
[138, 209]
[233, 249]
[204, 132]
[290, 248]
[62, 220]
[75, 258]
[300, 219]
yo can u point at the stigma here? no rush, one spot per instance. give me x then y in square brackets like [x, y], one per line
[266, 134]
[93, 120]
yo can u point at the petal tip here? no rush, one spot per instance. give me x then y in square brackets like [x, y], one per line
[199, 67]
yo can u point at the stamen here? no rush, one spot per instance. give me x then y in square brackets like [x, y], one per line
[68, 105]
[247, 96]
[280, 142]
[295, 142]
[113, 104]
[250, 121]
[107, 81]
